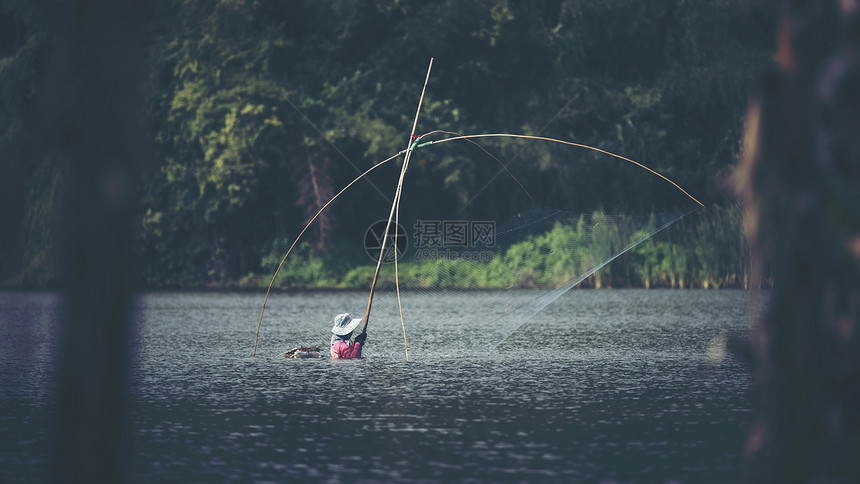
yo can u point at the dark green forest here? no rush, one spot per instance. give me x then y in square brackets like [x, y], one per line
[255, 113]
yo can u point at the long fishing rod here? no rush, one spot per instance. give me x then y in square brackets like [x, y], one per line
[397, 277]
[257, 335]
[553, 140]
[394, 207]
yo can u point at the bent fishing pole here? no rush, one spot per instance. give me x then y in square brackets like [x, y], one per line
[559, 141]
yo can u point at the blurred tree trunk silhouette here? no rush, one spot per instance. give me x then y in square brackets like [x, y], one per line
[799, 179]
[89, 113]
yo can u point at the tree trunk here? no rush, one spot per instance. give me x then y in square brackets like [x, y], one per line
[89, 109]
[799, 179]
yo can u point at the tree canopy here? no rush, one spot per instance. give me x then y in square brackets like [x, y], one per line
[258, 111]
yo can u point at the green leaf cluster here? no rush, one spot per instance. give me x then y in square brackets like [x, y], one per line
[682, 256]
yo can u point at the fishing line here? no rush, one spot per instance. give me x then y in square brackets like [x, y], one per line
[535, 221]
[503, 165]
[537, 304]
[341, 153]
[517, 155]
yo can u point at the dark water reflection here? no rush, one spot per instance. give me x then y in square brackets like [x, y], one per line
[604, 386]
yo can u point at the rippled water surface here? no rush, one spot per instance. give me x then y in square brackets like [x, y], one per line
[602, 386]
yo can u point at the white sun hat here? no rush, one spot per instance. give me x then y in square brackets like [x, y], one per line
[344, 325]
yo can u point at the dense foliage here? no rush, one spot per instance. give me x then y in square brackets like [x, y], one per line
[258, 111]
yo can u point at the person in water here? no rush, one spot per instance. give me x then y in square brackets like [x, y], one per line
[343, 328]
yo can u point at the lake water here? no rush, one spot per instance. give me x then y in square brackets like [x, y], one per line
[602, 386]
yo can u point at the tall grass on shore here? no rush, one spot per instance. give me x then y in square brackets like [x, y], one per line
[704, 250]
